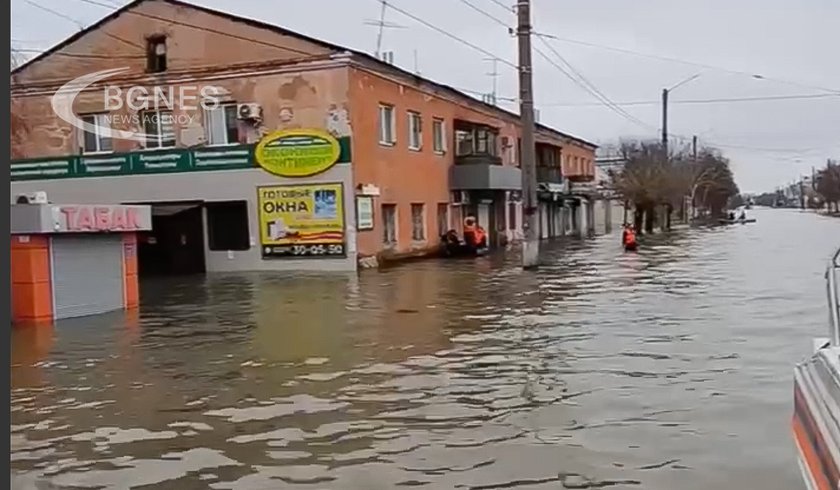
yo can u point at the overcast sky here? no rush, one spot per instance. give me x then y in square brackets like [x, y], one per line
[792, 44]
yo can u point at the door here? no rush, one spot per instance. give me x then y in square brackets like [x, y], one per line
[87, 273]
[484, 216]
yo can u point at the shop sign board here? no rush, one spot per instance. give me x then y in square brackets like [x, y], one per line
[302, 220]
[297, 152]
[87, 218]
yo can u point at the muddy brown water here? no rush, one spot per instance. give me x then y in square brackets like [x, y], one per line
[666, 369]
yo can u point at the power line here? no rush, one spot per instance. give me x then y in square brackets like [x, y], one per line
[445, 33]
[699, 101]
[582, 82]
[203, 28]
[486, 14]
[509, 8]
[81, 25]
[690, 63]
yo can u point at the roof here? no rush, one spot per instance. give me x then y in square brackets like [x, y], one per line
[285, 32]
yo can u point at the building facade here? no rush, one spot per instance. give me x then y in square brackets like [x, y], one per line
[412, 157]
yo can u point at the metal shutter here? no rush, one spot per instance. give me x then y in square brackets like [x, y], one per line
[87, 274]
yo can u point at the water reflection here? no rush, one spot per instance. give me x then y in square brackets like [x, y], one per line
[664, 369]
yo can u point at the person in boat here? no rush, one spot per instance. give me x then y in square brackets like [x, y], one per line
[628, 238]
[743, 216]
[451, 243]
[474, 235]
[732, 216]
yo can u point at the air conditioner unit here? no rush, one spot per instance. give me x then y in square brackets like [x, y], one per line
[39, 197]
[460, 197]
[249, 112]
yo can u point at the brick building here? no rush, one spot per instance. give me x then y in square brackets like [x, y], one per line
[415, 156]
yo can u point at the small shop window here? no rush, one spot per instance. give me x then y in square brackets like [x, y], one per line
[227, 226]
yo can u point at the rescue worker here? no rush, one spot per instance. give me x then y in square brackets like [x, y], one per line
[628, 238]
[474, 234]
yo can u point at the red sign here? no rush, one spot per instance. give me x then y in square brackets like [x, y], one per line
[101, 218]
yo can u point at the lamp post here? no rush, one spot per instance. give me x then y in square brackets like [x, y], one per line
[665, 93]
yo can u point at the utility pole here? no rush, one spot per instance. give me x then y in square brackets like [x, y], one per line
[694, 147]
[531, 248]
[665, 120]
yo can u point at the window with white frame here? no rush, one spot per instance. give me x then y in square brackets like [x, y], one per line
[95, 138]
[221, 125]
[415, 131]
[159, 128]
[438, 135]
[418, 222]
[389, 222]
[387, 125]
[443, 218]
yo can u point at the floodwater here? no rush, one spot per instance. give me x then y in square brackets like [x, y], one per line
[666, 369]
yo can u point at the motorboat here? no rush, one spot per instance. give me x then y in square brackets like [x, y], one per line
[452, 246]
[816, 392]
[736, 221]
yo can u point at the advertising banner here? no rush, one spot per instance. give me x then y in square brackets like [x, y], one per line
[301, 220]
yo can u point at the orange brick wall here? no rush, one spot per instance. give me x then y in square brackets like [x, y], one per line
[405, 176]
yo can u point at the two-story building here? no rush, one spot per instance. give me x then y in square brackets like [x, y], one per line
[410, 158]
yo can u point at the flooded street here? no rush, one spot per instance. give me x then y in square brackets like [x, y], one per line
[667, 369]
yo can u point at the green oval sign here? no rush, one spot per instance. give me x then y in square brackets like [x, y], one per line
[297, 152]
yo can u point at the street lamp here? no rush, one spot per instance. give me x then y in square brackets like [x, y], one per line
[665, 92]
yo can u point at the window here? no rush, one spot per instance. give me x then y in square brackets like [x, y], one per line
[95, 141]
[438, 135]
[389, 220]
[512, 216]
[159, 129]
[483, 140]
[418, 223]
[443, 218]
[415, 131]
[156, 54]
[221, 125]
[227, 226]
[387, 125]
[463, 142]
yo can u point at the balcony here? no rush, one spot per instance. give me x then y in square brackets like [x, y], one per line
[478, 164]
[549, 175]
[485, 176]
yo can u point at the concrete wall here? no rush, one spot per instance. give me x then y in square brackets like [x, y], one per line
[207, 186]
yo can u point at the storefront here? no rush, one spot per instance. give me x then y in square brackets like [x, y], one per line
[74, 260]
[285, 204]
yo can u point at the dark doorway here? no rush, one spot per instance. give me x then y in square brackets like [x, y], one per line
[175, 246]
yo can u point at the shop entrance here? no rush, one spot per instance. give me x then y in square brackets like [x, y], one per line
[175, 245]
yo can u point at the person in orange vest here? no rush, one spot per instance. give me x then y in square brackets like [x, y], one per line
[628, 238]
[474, 234]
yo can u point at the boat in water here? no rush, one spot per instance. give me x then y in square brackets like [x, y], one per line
[737, 221]
[816, 413]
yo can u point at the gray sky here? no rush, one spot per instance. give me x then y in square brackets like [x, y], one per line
[769, 142]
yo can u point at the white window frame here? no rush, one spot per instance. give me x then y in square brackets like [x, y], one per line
[99, 121]
[207, 121]
[387, 137]
[444, 227]
[439, 123]
[423, 230]
[415, 131]
[160, 139]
